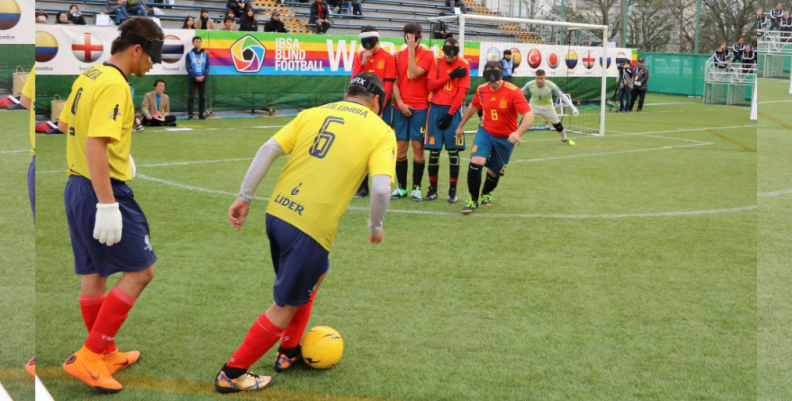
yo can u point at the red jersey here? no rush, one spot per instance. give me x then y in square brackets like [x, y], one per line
[381, 64]
[444, 90]
[414, 92]
[501, 108]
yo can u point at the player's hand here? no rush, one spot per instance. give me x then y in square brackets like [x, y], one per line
[237, 213]
[409, 39]
[575, 112]
[108, 225]
[514, 138]
[376, 239]
[445, 121]
[132, 165]
[405, 109]
[460, 131]
[366, 56]
[458, 73]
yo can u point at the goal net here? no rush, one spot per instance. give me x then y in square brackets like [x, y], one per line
[571, 55]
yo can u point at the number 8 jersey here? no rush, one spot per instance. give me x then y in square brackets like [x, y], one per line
[331, 149]
[100, 106]
[501, 107]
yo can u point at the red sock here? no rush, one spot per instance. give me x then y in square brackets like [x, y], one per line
[112, 315]
[294, 331]
[90, 306]
[261, 337]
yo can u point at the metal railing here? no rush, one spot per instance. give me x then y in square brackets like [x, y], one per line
[728, 82]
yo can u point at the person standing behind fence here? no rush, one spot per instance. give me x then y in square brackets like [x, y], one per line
[198, 71]
[640, 85]
[775, 17]
[749, 60]
[786, 27]
[508, 65]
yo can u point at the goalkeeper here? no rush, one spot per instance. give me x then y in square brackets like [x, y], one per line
[541, 101]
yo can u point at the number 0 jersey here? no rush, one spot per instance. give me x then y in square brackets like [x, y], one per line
[331, 149]
[100, 106]
[501, 108]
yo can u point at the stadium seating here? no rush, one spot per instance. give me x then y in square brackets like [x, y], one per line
[389, 16]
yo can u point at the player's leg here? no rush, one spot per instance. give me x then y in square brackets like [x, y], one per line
[289, 350]
[482, 148]
[401, 126]
[191, 97]
[496, 168]
[489, 185]
[434, 144]
[31, 184]
[549, 114]
[454, 145]
[418, 123]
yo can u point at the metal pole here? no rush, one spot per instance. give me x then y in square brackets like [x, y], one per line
[462, 35]
[563, 19]
[625, 6]
[604, 79]
[698, 25]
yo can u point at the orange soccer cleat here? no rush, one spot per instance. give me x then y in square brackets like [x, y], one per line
[116, 360]
[90, 367]
[31, 367]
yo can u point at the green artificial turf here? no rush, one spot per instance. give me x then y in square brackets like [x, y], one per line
[623, 268]
[17, 257]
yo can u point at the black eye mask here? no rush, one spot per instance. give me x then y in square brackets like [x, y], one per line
[451, 51]
[369, 39]
[152, 47]
[493, 75]
[371, 88]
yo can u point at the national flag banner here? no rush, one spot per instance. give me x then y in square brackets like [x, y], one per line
[17, 18]
[556, 61]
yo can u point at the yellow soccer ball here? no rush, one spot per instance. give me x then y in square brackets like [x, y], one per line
[322, 347]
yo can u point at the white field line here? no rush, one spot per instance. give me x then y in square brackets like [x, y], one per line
[167, 164]
[670, 131]
[775, 101]
[608, 153]
[505, 215]
[680, 139]
[191, 129]
[2, 152]
[4, 395]
[774, 193]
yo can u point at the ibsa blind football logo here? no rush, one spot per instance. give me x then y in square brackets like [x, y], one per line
[9, 14]
[248, 54]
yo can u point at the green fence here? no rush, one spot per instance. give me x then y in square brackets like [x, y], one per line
[676, 74]
[11, 57]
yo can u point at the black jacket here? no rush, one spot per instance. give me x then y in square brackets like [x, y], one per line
[78, 20]
[315, 11]
[640, 75]
[776, 15]
[785, 24]
[749, 57]
[275, 26]
[249, 27]
[720, 59]
[761, 21]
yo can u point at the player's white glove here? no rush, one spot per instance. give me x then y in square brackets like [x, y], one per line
[132, 165]
[108, 226]
[575, 113]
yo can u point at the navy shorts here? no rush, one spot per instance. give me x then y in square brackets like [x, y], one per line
[410, 128]
[387, 114]
[31, 184]
[298, 259]
[132, 254]
[497, 150]
[436, 138]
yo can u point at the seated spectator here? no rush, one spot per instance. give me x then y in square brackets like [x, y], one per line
[136, 7]
[189, 23]
[761, 34]
[737, 50]
[203, 22]
[319, 17]
[228, 24]
[41, 17]
[440, 29]
[456, 4]
[785, 25]
[725, 50]
[335, 5]
[355, 7]
[761, 19]
[248, 22]
[720, 59]
[275, 24]
[236, 6]
[75, 15]
[775, 17]
[749, 60]
[119, 9]
[62, 18]
[156, 107]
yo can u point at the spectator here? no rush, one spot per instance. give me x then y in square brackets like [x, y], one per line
[761, 34]
[355, 7]
[189, 23]
[319, 14]
[507, 65]
[275, 24]
[248, 22]
[737, 50]
[456, 4]
[725, 51]
[721, 58]
[625, 86]
[198, 71]
[119, 9]
[236, 6]
[335, 6]
[228, 24]
[136, 7]
[761, 19]
[156, 107]
[63, 18]
[775, 17]
[749, 60]
[640, 85]
[75, 15]
[440, 29]
[786, 27]
[41, 17]
[203, 22]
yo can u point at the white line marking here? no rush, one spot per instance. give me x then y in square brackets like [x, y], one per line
[774, 193]
[775, 101]
[427, 212]
[607, 153]
[168, 164]
[673, 131]
[14, 151]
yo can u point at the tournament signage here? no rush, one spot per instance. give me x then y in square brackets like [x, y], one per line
[17, 18]
[557, 61]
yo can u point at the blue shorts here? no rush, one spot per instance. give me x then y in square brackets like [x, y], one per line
[31, 184]
[298, 259]
[387, 114]
[497, 150]
[436, 138]
[132, 254]
[410, 128]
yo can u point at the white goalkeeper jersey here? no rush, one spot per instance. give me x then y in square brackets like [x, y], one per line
[543, 96]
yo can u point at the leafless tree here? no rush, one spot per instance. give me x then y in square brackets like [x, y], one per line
[684, 12]
[649, 25]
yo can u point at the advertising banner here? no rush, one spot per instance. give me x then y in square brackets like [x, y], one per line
[17, 18]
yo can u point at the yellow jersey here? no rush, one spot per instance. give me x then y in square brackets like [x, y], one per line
[331, 149]
[100, 106]
[29, 91]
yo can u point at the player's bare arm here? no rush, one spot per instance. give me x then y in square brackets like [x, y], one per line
[405, 109]
[471, 110]
[99, 168]
[412, 66]
[526, 122]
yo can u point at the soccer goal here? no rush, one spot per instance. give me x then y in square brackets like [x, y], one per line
[573, 56]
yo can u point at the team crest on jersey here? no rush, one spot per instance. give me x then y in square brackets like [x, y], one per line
[296, 190]
[475, 147]
[381, 64]
[431, 140]
[503, 103]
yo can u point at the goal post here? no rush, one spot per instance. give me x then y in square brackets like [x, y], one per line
[482, 25]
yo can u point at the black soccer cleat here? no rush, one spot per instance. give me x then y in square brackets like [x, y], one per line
[452, 195]
[432, 195]
[486, 200]
[470, 206]
[286, 358]
[361, 193]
